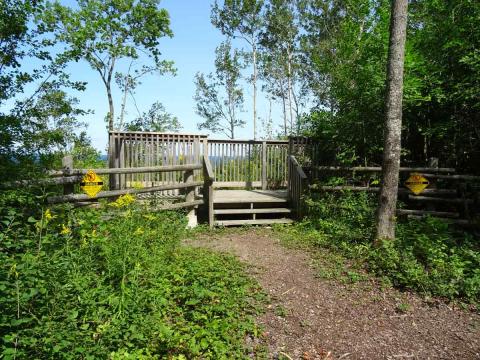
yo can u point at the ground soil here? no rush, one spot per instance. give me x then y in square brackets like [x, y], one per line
[313, 318]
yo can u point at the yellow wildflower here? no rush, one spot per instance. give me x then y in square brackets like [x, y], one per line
[48, 215]
[123, 201]
[65, 230]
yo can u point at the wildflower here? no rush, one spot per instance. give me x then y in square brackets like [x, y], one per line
[48, 215]
[65, 230]
[123, 201]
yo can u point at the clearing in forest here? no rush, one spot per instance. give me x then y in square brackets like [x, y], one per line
[313, 318]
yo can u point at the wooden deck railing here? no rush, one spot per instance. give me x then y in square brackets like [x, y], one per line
[297, 185]
[249, 163]
[188, 185]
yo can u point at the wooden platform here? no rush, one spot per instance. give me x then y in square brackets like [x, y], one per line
[249, 196]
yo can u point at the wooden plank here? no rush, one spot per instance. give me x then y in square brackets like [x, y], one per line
[377, 189]
[237, 184]
[107, 194]
[67, 164]
[264, 165]
[440, 200]
[249, 196]
[252, 211]
[253, 222]
[132, 170]
[186, 204]
[379, 169]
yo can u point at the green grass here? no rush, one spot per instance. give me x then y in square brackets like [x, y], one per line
[83, 284]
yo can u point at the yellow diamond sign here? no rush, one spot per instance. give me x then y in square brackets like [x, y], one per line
[416, 183]
[91, 184]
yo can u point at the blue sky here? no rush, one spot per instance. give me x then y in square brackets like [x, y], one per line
[192, 49]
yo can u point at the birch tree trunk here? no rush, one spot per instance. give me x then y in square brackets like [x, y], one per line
[387, 202]
[254, 53]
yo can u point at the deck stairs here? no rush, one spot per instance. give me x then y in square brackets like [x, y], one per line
[251, 207]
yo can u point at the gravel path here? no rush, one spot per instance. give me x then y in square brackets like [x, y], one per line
[313, 318]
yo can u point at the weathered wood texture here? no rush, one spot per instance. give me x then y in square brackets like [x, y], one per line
[208, 179]
[146, 149]
[297, 186]
[249, 163]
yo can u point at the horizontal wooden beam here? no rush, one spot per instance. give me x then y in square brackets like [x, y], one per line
[114, 193]
[377, 189]
[440, 200]
[130, 170]
[379, 169]
[237, 184]
[181, 205]
[256, 142]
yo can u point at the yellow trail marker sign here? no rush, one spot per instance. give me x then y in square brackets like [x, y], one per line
[91, 184]
[416, 183]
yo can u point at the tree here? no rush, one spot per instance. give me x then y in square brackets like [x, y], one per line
[156, 119]
[218, 96]
[279, 39]
[242, 19]
[105, 32]
[36, 116]
[387, 203]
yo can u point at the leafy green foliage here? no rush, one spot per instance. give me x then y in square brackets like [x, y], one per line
[115, 284]
[155, 119]
[218, 96]
[105, 32]
[428, 255]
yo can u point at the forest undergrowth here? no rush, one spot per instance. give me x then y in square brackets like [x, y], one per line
[115, 283]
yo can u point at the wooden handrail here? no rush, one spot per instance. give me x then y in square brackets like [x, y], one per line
[129, 170]
[259, 142]
[379, 169]
[114, 193]
[208, 168]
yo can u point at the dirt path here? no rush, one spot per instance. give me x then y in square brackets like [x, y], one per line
[313, 318]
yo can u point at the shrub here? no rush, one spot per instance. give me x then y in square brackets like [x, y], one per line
[115, 284]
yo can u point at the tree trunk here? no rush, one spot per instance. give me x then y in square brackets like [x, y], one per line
[254, 51]
[111, 109]
[387, 202]
[289, 84]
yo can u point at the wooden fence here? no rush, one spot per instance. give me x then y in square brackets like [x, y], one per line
[187, 186]
[449, 195]
[235, 163]
[249, 163]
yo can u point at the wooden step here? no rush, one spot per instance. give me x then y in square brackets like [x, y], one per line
[252, 211]
[252, 222]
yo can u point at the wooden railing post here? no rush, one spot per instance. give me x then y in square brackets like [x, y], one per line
[190, 192]
[264, 165]
[208, 179]
[67, 166]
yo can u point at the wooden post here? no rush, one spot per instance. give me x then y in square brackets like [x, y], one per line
[264, 165]
[190, 192]
[67, 165]
[208, 189]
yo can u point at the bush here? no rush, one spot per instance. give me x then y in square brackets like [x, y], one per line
[95, 284]
[428, 255]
